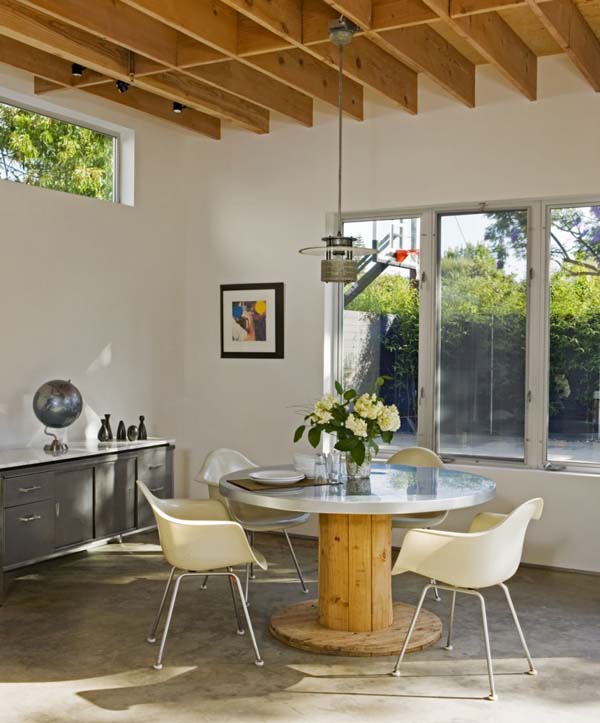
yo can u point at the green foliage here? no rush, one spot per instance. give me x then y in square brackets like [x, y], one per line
[42, 151]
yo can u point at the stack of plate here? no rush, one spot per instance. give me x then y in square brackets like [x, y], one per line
[305, 463]
[277, 476]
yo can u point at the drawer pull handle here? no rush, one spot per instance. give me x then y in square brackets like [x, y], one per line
[156, 489]
[154, 466]
[33, 488]
[30, 518]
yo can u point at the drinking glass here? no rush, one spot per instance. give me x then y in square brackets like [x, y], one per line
[333, 467]
[321, 469]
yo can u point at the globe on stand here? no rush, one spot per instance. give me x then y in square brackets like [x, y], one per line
[57, 404]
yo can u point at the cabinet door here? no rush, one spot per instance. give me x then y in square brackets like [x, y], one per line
[74, 506]
[154, 471]
[114, 489]
[29, 532]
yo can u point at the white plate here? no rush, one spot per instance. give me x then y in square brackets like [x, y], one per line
[277, 476]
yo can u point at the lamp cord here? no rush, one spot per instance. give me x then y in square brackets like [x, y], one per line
[340, 100]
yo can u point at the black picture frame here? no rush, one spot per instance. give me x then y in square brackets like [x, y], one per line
[225, 322]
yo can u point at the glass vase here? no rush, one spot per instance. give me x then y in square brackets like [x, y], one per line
[358, 471]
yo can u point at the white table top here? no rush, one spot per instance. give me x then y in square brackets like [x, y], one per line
[392, 490]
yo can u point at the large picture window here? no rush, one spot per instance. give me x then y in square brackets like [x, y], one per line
[485, 320]
[483, 270]
[38, 150]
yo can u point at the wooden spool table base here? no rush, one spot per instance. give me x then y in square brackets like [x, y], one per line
[298, 626]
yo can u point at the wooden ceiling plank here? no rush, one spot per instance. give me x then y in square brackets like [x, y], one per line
[254, 38]
[257, 87]
[566, 24]
[428, 52]
[309, 75]
[282, 17]
[159, 107]
[210, 21]
[116, 22]
[368, 64]
[41, 86]
[358, 11]
[190, 52]
[401, 14]
[205, 98]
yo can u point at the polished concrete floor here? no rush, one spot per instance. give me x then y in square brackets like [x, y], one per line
[72, 649]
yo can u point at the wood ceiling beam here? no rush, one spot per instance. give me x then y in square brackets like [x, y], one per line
[566, 24]
[258, 87]
[58, 38]
[422, 48]
[304, 72]
[359, 11]
[216, 24]
[497, 42]
[282, 17]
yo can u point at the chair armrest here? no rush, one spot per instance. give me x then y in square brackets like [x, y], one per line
[485, 521]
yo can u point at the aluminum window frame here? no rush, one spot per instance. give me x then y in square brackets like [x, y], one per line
[537, 356]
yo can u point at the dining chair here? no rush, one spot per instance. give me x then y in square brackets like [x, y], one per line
[487, 555]
[199, 538]
[419, 457]
[252, 518]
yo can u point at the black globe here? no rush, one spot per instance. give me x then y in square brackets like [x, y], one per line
[57, 403]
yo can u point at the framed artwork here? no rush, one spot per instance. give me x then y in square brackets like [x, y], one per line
[252, 321]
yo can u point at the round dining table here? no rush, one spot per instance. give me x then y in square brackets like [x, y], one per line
[355, 613]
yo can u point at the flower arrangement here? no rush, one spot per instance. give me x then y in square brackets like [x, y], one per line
[356, 421]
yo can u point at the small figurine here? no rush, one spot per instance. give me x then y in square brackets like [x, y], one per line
[121, 432]
[108, 427]
[103, 432]
[132, 433]
[142, 433]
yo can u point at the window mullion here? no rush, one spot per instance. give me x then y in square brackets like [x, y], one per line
[427, 332]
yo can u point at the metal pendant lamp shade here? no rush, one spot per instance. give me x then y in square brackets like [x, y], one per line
[339, 264]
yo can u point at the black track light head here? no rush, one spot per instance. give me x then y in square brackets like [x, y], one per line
[122, 86]
[77, 70]
[178, 107]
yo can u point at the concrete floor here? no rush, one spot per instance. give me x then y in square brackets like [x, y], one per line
[72, 642]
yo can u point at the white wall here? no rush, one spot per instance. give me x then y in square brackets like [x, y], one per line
[267, 196]
[92, 290]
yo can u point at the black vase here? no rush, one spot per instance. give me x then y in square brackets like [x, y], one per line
[121, 432]
[108, 427]
[103, 432]
[142, 433]
[132, 433]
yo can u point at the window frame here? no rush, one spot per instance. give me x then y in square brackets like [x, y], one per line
[120, 137]
[537, 357]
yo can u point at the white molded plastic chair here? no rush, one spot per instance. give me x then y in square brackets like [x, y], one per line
[487, 555]
[199, 537]
[251, 517]
[419, 457]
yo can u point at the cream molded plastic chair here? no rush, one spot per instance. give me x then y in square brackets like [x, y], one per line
[487, 555]
[419, 457]
[199, 537]
[251, 517]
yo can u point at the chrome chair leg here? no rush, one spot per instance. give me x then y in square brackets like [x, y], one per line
[449, 645]
[158, 664]
[151, 638]
[240, 624]
[436, 594]
[252, 575]
[413, 622]
[532, 670]
[488, 652]
[258, 661]
[295, 559]
[247, 585]
[204, 583]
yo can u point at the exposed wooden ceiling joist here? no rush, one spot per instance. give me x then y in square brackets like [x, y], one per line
[566, 24]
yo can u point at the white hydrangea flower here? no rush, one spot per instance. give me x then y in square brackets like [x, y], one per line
[356, 425]
[322, 410]
[367, 406]
[389, 419]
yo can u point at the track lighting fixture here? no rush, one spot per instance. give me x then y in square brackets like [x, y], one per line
[77, 70]
[122, 86]
[178, 107]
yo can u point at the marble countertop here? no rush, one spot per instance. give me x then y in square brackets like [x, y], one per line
[27, 456]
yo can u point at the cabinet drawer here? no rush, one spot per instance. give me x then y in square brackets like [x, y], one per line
[29, 532]
[152, 470]
[27, 488]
